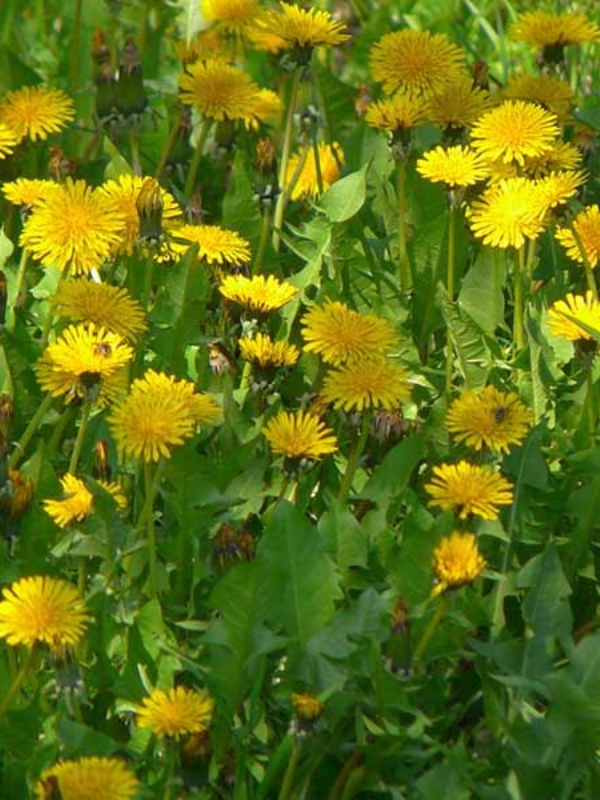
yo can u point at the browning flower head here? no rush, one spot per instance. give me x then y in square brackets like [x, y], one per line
[307, 708]
[453, 166]
[299, 435]
[33, 112]
[370, 382]
[488, 419]
[74, 506]
[259, 294]
[469, 489]
[106, 306]
[582, 238]
[456, 562]
[564, 316]
[303, 168]
[88, 778]
[175, 713]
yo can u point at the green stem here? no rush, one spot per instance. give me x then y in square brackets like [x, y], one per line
[136, 158]
[402, 234]
[343, 777]
[196, 158]
[168, 146]
[590, 404]
[146, 520]
[19, 680]
[429, 630]
[354, 457]
[285, 157]
[288, 778]
[22, 272]
[519, 301]
[50, 315]
[36, 420]
[85, 417]
[450, 287]
[262, 244]
[75, 47]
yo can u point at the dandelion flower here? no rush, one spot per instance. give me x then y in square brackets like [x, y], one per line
[86, 361]
[299, 435]
[339, 334]
[175, 713]
[232, 16]
[402, 111]
[564, 157]
[366, 383]
[215, 245]
[75, 504]
[159, 413]
[42, 609]
[300, 29]
[507, 213]
[27, 192]
[543, 29]
[514, 130]
[267, 353]
[488, 418]
[457, 105]
[258, 294]
[558, 187]
[415, 60]
[106, 306]
[548, 91]
[8, 140]
[564, 315]
[219, 90]
[582, 241]
[469, 489]
[33, 112]
[456, 562]
[308, 709]
[453, 166]
[88, 778]
[74, 227]
[307, 180]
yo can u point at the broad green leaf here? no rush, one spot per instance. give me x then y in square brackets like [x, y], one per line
[345, 197]
[390, 478]
[348, 542]
[545, 606]
[472, 353]
[481, 295]
[240, 210]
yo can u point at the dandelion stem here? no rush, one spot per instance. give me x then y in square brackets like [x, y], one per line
[590, 405]
[519, 301]
[36, 420]
[402, 248]
[450, 287]
[85, 416]
[429, 630]
[162, 161]
[146, 520]
[262, 244]
[19, 680]
[343, 778]
[354, 457]
[75, 46]
[190, 181]
[288, 778]
[22, 272]
[285, 157]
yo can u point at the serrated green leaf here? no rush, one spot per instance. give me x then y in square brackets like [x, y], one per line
[345, 197]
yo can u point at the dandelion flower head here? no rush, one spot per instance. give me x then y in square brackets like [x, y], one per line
[259, 294]
[544, 29]
[89, 778]
[216, 245]
[453, 166]
[468, 489]
[8, 140]
[564, 315]
[304, 163]
[582, 243]
[457, 104]
[267, 353]
[74, 506]
[401, 111]
[27, 192]
[34, 112]
[175, 713]
[507, 213]
[456, 562]
[218, 90]
[371, 382]
[233, 16]
[297, 28]
[299, 434]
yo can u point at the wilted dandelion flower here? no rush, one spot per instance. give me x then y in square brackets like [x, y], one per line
[564, 316]
[469, 489]
[8, 140]
[339, 334]
[258, 294]
[543, 29]
[159, 413]
[457, 105]
[85, 361]
[402, 111]
[299, 434]
[507, 213]
[301, 29]
[415, 60]
[513, 131]
[106, 306]
[42, 609]
[308, 709]
[307, 181]
[175, 713]
[488, 418]
[218, 90]
[88, 778]
[587, 230]
[456, 562]
[27, 192]
[363, 383]
[453, 166]
[267, 353]
[33, 112]
[74, 506]
[215, 245]
[548, 91]
[73, 227]
[16, 494]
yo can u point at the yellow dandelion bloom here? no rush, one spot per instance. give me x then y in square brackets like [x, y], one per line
[86, 361]
[230, 15]
[27, 192]
[587, 230]
[75, 504]
[564, 315]
[453, 166]
[415, 60]
[366, 383]
[488, 419]
[215, 245]
[558, 187]
[298, 28]
[88, 778]
[106, 306]
[42, 609]
[514, 130]
[258, 294]
[402, 111]
[548, 91]
[267, 353]
[159, 413]
[124, 193]
[302, 166]
[299, 434]
[469, 489]
[564, 157]
[219, 90]
[116, 492]
[8, 140]
[33, 112]
[307, 707]
[339, 334]
[456, 562]
[458, 104]
[175, 713]
[74, 227]
[508, 213]
[544, 29]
